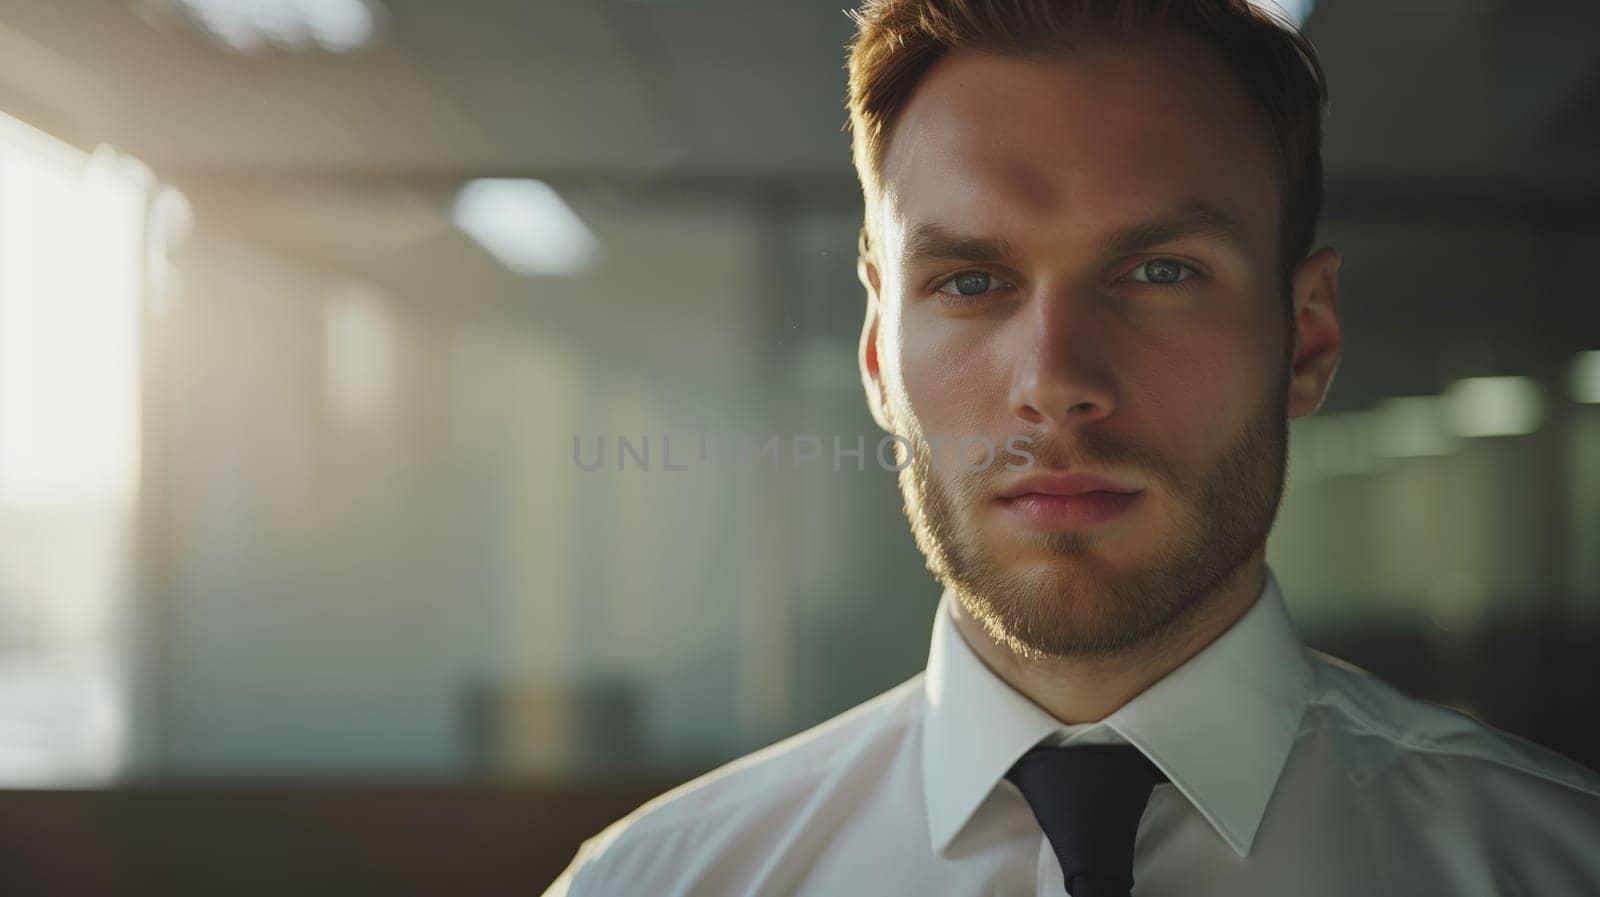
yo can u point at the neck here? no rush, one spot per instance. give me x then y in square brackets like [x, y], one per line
[1088, 689]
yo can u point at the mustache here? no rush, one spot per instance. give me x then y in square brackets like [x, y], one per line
[1091, 450]
[1019, 454]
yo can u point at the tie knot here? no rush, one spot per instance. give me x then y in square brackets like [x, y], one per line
[1088, 800]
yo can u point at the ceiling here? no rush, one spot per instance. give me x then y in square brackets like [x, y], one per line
[1439, 88]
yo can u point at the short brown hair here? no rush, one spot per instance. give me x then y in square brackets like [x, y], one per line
[898, 41]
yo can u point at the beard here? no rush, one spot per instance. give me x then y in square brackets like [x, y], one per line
[1058, 597]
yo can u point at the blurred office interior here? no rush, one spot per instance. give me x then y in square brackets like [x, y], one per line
[304, 304]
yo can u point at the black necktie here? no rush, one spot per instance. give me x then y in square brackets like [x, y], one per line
[1088, 800]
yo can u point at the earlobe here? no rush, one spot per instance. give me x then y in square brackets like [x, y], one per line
[1318, 336]
[867, 353]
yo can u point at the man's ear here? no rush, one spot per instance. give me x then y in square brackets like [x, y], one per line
[867, 353]
[1317, 334]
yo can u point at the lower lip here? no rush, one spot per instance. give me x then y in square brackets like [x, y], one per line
[1069, 511]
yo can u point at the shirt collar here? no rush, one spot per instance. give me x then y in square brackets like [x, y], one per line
[1220, 726]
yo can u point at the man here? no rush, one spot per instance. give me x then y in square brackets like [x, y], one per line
[1090, 225]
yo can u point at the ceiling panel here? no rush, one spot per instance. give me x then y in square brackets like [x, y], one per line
[722, 86]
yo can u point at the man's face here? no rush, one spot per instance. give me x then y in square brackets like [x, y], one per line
[1082, 252]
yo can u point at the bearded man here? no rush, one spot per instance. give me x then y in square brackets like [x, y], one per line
[1089, 227]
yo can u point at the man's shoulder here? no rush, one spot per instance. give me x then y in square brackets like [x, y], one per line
[787, 764]
[1359, 704]
[740, 793]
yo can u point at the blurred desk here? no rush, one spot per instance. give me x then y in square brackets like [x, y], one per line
[390, 840]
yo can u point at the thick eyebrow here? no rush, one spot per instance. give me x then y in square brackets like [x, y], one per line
[930, 241]
[1193, 219]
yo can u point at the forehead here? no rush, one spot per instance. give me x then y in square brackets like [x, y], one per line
[1080, 143]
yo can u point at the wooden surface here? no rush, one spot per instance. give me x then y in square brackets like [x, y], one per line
[220, 841]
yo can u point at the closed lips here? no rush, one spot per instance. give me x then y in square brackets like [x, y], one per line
[1065, 485]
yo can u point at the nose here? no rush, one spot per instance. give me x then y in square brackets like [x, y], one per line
[1064, 372]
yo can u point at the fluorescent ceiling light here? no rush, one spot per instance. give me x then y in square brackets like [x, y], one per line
[1494, 406]
[525, 225]
[1295, 11]
[1585, 377]
[249, 25]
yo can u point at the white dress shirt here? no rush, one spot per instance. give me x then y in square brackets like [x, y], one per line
[1291, 773]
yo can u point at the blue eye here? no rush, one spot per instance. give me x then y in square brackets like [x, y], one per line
[1162, 271]
[970, 283]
